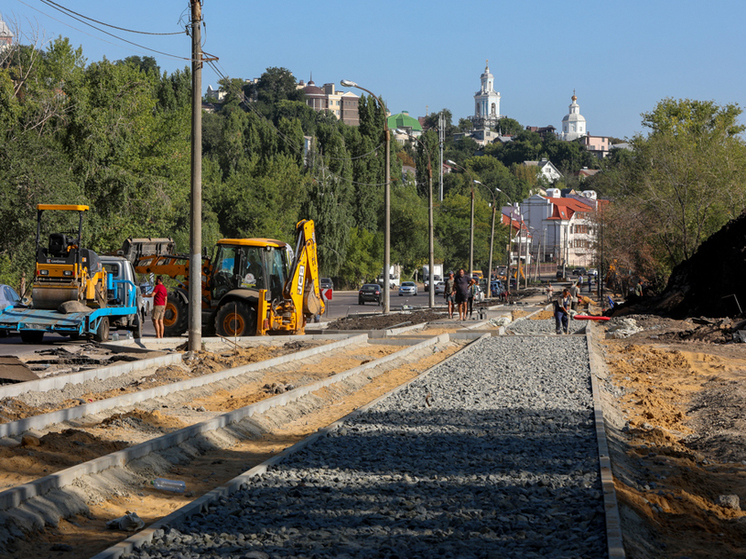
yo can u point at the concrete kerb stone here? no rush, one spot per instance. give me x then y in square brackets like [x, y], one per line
[202, 503]
[614, 537]
[13, 497]
[59, 382]
[44, 420]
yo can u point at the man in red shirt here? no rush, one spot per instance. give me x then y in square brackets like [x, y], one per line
[160, 295]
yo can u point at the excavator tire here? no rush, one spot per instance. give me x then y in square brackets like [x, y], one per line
[235, 319]
[176, 319]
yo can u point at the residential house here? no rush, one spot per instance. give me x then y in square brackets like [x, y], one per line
[342, 104]
[546, 170]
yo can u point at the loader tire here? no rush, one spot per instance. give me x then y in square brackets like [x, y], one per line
[176, 318]
[236, 319]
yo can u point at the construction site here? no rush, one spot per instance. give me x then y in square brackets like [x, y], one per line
[92, 433]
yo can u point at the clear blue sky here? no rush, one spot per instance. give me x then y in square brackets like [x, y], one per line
[621, 57]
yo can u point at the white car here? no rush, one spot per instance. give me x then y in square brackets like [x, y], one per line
[408, 288]
[440, 288]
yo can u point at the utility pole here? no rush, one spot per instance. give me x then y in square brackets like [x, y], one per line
[441, 139]
[195, 258]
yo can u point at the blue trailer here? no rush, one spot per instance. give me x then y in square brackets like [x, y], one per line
[32, 323]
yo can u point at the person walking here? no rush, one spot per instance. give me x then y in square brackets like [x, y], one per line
[562, 312]
[160, 296]
[448, 294]
[574, 291]
[472, 294]
[461, 285]
[590, 283]
[550, 292]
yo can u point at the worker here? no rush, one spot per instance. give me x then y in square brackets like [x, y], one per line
[550, 292]
[574, 292]
[562, 312]
[160, 296]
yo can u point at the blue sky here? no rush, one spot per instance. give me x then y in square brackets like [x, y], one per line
[620, 57]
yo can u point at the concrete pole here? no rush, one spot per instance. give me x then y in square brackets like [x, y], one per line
[492, 244]
[387, 216]
[431, 235]
[195, 258]
[471, 234]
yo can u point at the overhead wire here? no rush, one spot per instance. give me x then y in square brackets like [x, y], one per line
[45, 2]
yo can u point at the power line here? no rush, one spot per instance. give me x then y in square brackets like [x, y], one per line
[63, 9]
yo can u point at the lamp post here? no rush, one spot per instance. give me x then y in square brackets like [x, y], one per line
[386, 199]
[471, 221]
[431, 240]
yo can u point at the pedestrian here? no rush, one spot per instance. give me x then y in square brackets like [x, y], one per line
[638, 288]
[472, 293]
[574, 291]
[590, 283]
[461, 287]
[160, 296]
[562, 312]
[448, 294]
[550, 292]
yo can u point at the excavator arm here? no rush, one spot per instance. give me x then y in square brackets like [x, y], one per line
[301, 296]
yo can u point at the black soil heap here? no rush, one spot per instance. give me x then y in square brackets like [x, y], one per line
[711, 283]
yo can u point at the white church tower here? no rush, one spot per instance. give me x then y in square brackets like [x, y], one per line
[573, 125]
[486, 102]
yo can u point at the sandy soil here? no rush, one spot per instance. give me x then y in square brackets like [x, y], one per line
[87, 534]
[59, 450]
[684, 443]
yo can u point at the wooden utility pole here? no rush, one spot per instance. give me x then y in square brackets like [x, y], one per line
[195, 255]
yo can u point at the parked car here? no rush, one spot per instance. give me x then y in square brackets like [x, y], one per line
[497, 288]
[440, 288]
[408, 288]
[479, 295]
[593, 272]
[369, 293]
[579, 271]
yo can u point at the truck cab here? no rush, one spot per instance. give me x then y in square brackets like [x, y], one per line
[124, 279]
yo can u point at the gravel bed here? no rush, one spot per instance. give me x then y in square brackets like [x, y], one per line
[493, 454]
[526, 326]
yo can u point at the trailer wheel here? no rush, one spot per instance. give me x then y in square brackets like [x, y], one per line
[236, 319]
[137, 327]
[176, 318]
[102, 332]
[32, 336]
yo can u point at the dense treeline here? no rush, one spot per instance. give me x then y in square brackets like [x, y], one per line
[116, 136]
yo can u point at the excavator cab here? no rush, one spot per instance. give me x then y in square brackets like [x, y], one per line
[64, 270]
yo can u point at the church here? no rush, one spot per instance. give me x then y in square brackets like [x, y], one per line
[486, 102]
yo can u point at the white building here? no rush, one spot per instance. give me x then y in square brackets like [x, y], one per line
[546, 170]
[573, 125]
[566, 225]
[486, 101]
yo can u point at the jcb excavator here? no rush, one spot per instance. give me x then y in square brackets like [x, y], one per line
[249, 287]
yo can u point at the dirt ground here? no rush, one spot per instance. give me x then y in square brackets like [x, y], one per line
[87, 535]
[682, 391]
[381, 321]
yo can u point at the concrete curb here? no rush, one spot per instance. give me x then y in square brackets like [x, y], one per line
[59, 382]
[234, 485]
[44, 420]
[614, 537]
[13, 497]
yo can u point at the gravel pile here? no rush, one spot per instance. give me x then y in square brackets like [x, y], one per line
[491, 455]
[526, 326]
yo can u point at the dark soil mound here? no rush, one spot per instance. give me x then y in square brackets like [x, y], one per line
[711, 283]
[380, 321]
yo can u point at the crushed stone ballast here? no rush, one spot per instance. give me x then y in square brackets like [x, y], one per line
[495, 451]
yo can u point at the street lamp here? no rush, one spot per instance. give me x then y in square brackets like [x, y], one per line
[386, 199]
[431, 241]
[471, 221]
